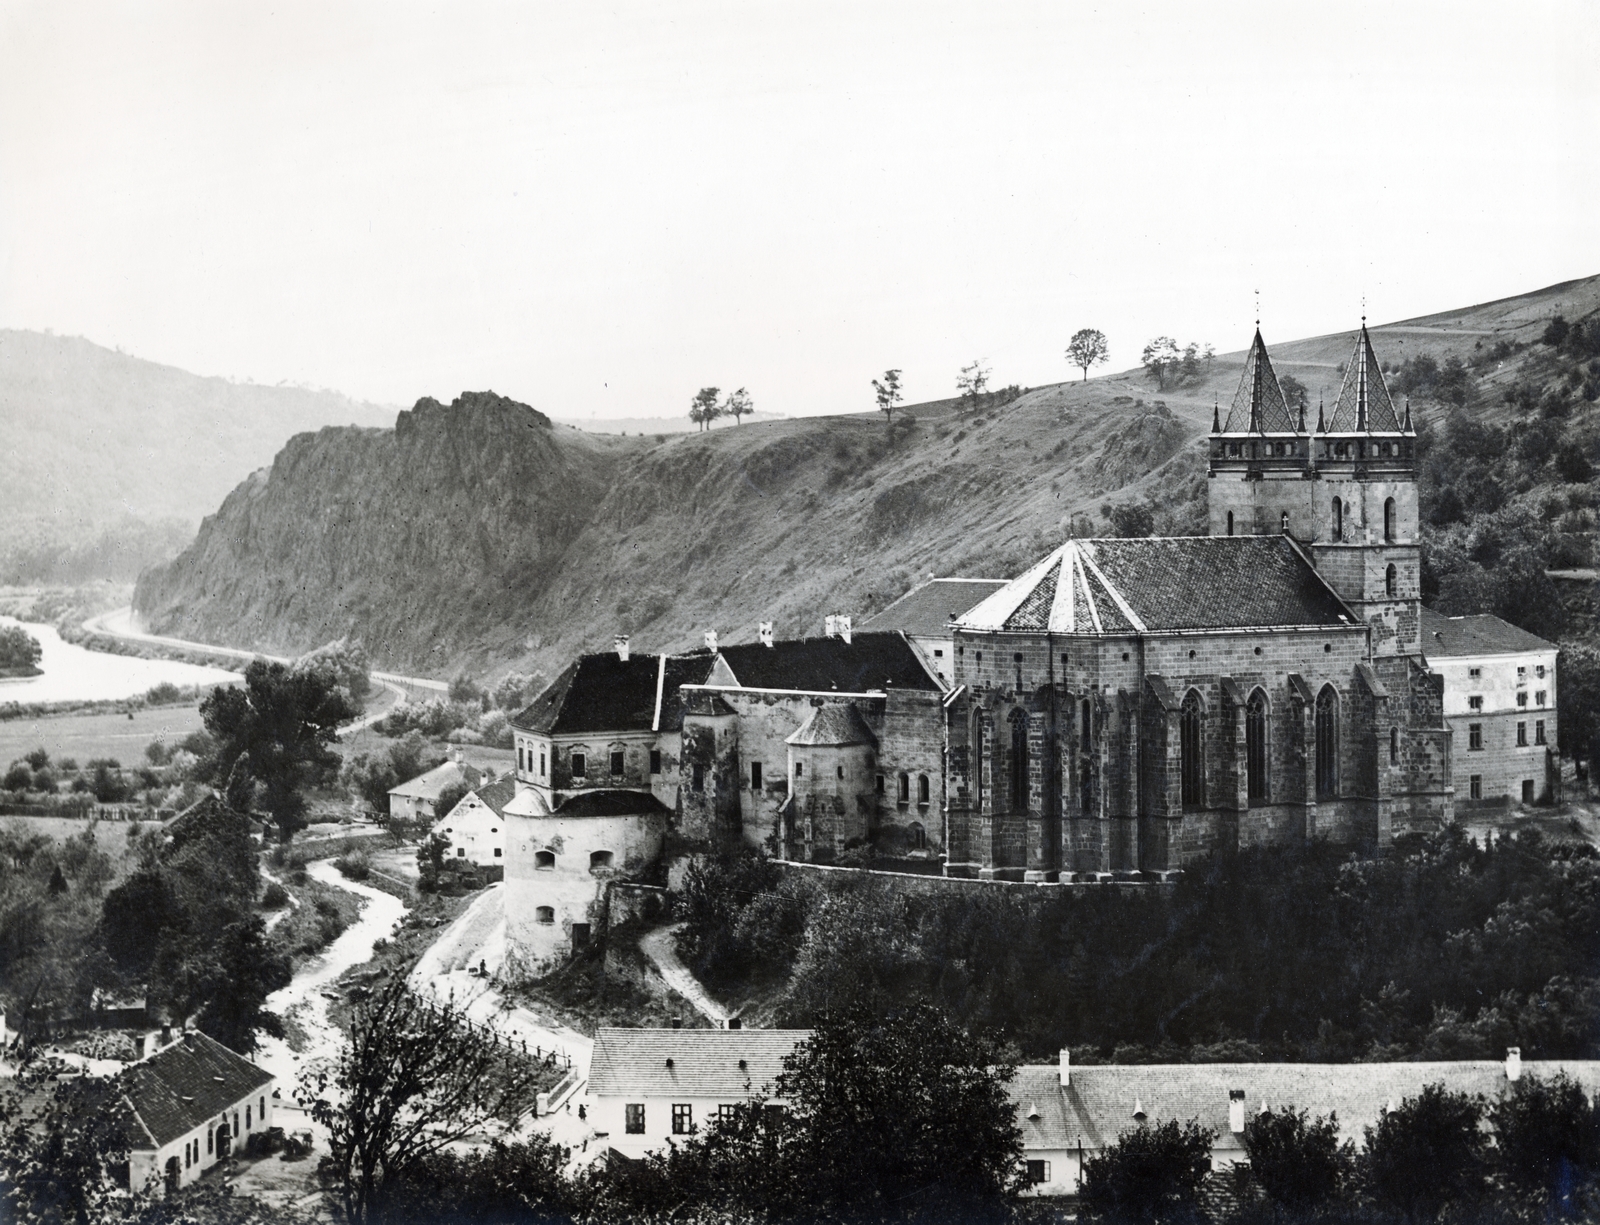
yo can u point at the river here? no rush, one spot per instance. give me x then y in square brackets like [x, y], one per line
[72, 674]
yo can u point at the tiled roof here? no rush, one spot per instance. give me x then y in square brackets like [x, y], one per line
[927, 610]
[498, 794]
[189, 1083]
[835, 723]
[632, 1063]
[1259, 403]
[431, 786]
[610, 803]
[871, 660]
[1363, 402]
[604, 693]
[1481, 634]
[1099, 1104]
[1164, 584]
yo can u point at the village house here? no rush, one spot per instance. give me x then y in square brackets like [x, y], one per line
[417, 799]
[1071, 1114]
[649, 1087]
[475, 827]
[1500, 702]
[193, 1101]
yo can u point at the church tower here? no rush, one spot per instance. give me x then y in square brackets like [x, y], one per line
[1346, 492]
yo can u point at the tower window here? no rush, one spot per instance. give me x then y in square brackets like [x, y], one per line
[1388, 518]
[1394, 746]
[904, 794]
[1230, 523]
[1327, 743]
[1522, 735]
[1391, 582]
[544, 861]
[1474, 736]
[1337, 532]
[922, 779]
[580, 765]
[1255, 747]
[618, 766]
[1284, 523]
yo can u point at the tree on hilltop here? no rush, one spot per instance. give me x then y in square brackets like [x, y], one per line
[1087, 348]
[972, 382]
[888, 393]
[738, 404]
[1160, 360]
[705, 408]
[1295, 393]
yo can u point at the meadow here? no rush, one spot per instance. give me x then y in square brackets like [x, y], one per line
[87, 736]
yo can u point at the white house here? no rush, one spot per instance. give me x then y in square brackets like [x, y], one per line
[415, 799]
[192, 1100]
[476, 826]
[651, 1086]
[1069, 1115]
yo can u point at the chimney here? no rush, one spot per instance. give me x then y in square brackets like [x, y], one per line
[844, 628]
[456, 755]
[166, 1033]
[766, 633]
[1513, 1063]
[735, 1023]
[830, 626]
[1236, 1111]
[621, 643]
[711, 640]
[1066, 1067]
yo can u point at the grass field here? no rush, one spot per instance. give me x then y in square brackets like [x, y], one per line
[110, 836]
[101, 735]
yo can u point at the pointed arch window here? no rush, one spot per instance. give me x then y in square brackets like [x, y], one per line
[1337, 532]
[1019, 761]
[1191, 743]
[1327, 743]
[1391, 582]
[1255, 747]
[1394, 746]
[1388, 518]
[1230, 523]
[977, 760]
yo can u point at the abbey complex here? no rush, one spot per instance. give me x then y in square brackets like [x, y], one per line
[1123, 709]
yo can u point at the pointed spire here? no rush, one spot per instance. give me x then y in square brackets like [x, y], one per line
[1408, 427]
[1322, 427]
[1364, 403]
[1259, 405]
[1216, 416]
[1302, 427]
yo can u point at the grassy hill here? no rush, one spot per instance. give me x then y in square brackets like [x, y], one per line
[425, 541]
[111, 461]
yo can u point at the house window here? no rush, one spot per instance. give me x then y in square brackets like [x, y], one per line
[1522, 698]
[580, 765]
[247, 1118]
[633, 1122]
[904, 792]
[799, 768]
[1189, 751]
[1038, 1171]
[697, 778]
[1538, 731]
[655, 761]
[938, 654]
[544, 914]
[461, 852]
[1475, 702]
[1527, 791]
[1474, 673]
[1475, 786]
[1539, 698]
[727, 1113]
[600, 859]
[1474, 736]
[520, 764]
[755, 776]
[617, 765]
[541, 764]
[1255, 747]
[263, 1106]
[879, 785]
[922, 789]
[1522, 674]
[1522, 735]
[545, 861]
[682, 1118]
[498, 852]
[838, 771]
[1327, 743]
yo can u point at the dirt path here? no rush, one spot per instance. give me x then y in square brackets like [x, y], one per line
[659, 946]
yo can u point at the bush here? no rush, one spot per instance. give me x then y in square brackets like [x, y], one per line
[1150, 1174]
[274, 896]
[1297, 1161]
[354, 865]
[1436, 1131]
[164, 694]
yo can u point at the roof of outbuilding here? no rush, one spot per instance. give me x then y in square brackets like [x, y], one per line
[609, 803]
[431, 786]
[187, 1084]
[837, 723]
[1480, 634]
[871, 660]
[928, 610]
[498, 793]
[1099, 1104]
[1164, 584]
[604, 693]
[704, 1062]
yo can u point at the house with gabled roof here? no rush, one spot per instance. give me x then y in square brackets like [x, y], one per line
[416, 799]
[475, 827]
[193, 1102]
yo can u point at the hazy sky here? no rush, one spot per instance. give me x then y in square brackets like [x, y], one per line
[599, 209]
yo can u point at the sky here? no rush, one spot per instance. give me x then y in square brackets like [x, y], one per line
[599, 209]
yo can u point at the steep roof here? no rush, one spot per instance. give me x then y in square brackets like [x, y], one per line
[1480, 634]
[871, 660]
[1099, 1104]
[705, 1062]
[928, 610]
[604, 693]
[837, 723]
[431, 786]
[498, 793]
[187, 1084]
[609, 803]
[1363, 402]
[1164, 584]
[1259, 404]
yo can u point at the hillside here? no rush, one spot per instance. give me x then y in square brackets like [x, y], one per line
[468, 538]
[112, 461]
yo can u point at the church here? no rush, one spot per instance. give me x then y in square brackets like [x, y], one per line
[1135, 705]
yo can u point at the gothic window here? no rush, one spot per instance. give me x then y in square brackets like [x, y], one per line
[1284, 523]
[1338, 521]
[922, 788]
[1388, 518]
[905, 789]
[1019, 761]
[1391, 582]
[1394, 746]
[977, 759]
[1084, 713]
[1255, 746]
[1190, 747]
[1230, 523]
[1327, 743]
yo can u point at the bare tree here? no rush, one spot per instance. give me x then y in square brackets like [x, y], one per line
[413, 1079]
[888, 393]
[704, 408]
[1160, 357]
[1088, 348]
[972, 382]
[738, 404]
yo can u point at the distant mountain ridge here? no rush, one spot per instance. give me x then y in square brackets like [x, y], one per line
[479, 537]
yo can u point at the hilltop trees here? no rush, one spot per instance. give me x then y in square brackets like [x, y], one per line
[705, 407]
[888, 392]
[972, 382]
[1160, 359]
[738, 404]
[1087, 348]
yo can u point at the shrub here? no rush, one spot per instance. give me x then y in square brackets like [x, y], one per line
[1150, 1174]
[355, 865]
[1436, 1131]
[1297, 1161]
[163, 694]
[274, 896]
